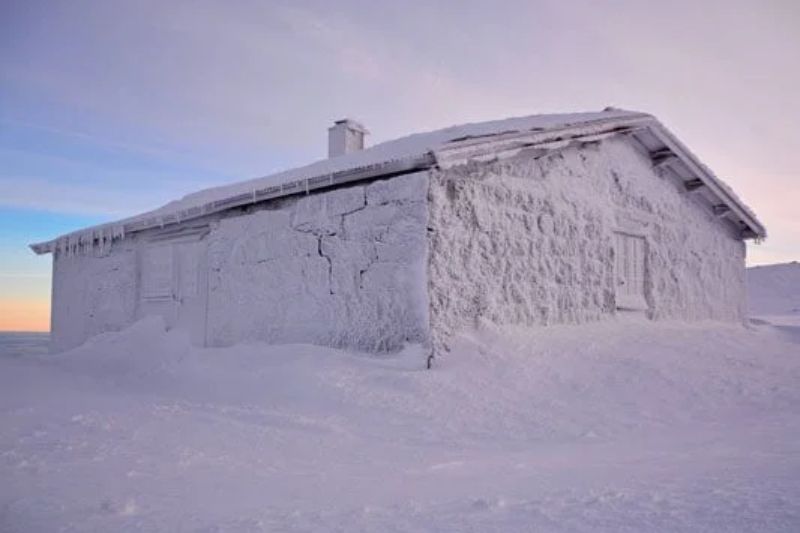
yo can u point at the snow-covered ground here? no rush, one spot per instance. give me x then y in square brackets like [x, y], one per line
[774, 290]
[626, 425]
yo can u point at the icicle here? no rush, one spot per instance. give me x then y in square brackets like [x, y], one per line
[103, 240]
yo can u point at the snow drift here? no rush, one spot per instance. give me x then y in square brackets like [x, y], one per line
[619, 426]
[774, 289]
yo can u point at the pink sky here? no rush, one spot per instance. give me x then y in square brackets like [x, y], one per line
[108, 108]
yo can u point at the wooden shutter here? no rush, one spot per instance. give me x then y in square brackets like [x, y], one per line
[157, 273]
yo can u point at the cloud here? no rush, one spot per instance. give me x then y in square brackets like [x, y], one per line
[44, 195]
[235, 79]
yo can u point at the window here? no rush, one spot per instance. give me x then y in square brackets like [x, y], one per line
[629, 271]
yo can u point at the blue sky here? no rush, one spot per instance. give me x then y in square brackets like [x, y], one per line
[22, 274]
[109, 108]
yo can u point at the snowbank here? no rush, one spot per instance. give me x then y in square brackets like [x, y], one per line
[615, 426]
[774, 289]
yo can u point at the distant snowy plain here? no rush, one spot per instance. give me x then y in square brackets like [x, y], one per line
[625, 425]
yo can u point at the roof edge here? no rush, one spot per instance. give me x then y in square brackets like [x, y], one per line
[477, 149]
[719, 188]
[459, 151]
[115, 230]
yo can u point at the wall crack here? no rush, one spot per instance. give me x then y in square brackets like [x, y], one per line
[330, 263]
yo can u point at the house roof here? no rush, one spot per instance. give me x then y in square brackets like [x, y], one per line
[441, 148]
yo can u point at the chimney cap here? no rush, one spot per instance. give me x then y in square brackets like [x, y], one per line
[350, 124]
[345, 137]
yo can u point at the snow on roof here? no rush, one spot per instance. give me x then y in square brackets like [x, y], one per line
[402, 154]
[408, 147]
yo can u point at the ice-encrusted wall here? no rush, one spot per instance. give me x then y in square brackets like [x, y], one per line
[342, 268]
[93, 292]
[526, 240]
[529, 240]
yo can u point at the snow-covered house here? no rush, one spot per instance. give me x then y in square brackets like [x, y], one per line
[536, 220]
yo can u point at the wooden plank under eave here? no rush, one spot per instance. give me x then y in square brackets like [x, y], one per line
[667, 160]
[721, 210]
[693, 185]
[748, 233]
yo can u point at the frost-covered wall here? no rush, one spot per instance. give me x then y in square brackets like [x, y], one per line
[93, 292]
[342, 268]
[530, 240]
[526, 240]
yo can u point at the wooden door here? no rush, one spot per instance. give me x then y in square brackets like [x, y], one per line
[190, 294]
[173, 284]
[629, 271]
